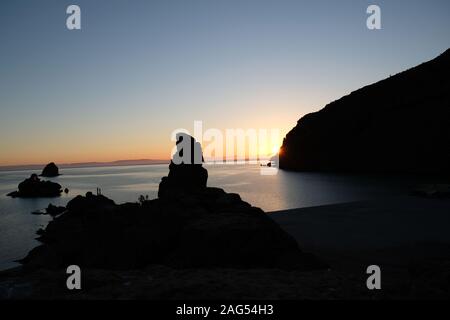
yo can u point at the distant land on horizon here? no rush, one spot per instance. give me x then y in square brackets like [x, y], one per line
[117, 163]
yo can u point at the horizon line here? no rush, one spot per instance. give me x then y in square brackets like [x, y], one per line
[118, 163]
[85, 164]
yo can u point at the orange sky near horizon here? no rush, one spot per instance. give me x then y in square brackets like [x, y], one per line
[140, 143]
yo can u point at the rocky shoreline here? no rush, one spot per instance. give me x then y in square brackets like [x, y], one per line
[188, 227]
[210, 228]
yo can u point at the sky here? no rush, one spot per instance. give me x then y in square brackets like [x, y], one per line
[138, 70]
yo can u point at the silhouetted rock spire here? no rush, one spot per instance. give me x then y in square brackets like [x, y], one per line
[186, 173]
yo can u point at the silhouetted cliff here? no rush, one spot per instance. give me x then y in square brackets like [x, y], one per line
[400, 124]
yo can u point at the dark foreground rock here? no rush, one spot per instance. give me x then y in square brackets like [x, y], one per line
[33, 187]
[189, 226]
[211, 228]
[400, 124]
[50, 170]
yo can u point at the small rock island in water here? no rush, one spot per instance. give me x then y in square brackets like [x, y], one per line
[50, 170]
[34, 187]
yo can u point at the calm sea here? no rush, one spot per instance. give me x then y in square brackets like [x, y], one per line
[285, 190]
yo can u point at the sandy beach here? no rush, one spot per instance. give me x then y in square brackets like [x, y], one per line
[394, 231]
[407, 237]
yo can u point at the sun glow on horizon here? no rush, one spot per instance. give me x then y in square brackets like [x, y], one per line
[275, 149]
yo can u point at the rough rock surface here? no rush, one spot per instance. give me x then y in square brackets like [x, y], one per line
[400, 124]
[211, 228]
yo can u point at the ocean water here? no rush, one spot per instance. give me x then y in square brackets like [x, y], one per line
[285, 190]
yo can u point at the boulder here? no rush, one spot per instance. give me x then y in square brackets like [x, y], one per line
[50, 170]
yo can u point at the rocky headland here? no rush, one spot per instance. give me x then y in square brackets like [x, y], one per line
[398, 125]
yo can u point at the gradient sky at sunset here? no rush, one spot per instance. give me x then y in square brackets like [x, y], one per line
[140, 69]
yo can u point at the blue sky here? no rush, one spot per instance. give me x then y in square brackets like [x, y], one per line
[140, 69]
